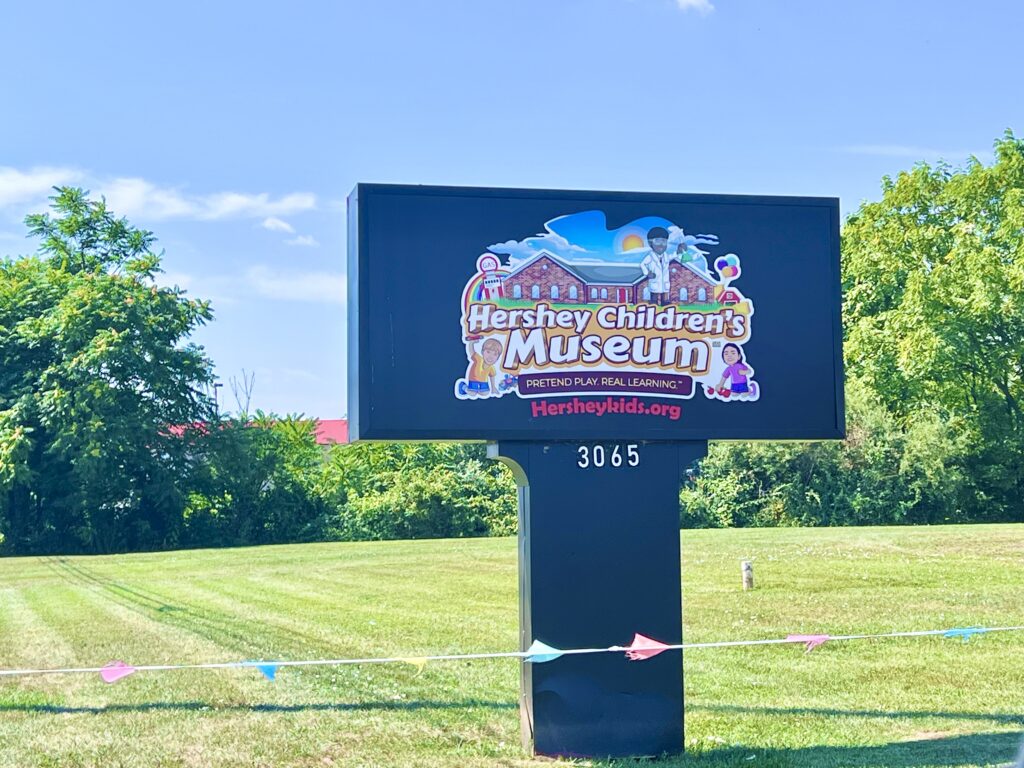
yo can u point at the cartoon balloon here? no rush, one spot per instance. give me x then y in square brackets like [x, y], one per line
[728, 267]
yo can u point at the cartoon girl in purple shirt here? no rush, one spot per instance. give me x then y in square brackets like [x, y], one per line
[736, 372]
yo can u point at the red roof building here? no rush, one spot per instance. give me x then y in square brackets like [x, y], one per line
[329, 431]
[545, 277]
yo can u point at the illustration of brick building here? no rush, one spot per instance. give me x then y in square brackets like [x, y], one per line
[545, 277]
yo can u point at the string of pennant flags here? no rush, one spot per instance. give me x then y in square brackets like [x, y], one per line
[640, 649]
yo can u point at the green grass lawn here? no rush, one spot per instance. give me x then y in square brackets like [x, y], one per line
[899, 703]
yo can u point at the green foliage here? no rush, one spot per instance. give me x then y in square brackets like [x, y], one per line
[881, 474]
[265, 480]
[934, 314]
[93, 367]
[108, 442]
[256, 482]
[421, 491]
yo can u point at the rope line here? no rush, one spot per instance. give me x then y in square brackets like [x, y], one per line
[809, 640]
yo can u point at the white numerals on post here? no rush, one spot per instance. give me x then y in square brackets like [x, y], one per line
[597, 456]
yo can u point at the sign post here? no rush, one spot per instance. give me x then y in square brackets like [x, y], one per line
[599, 560]
[596, 341]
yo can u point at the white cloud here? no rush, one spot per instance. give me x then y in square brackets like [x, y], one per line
[135, 197]
[275, 224]
[307, 240]
[703, 7]
[33, 185]
[220, 290]
[910, 151]
[236, 204]
[175, 280]
[139, 198]
[513, 248]
[289, 285]
[529, 247]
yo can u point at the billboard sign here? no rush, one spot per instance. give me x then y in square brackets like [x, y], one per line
[503, 314]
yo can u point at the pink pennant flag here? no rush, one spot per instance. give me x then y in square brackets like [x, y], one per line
[810, 641]
[643, 648]
[115, 670]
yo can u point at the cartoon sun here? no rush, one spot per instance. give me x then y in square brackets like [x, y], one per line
[631, 242]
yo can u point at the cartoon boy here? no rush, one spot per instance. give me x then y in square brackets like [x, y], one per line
[480, 374]
[736, 372]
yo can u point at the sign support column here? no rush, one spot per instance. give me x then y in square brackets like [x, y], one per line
[598, 562]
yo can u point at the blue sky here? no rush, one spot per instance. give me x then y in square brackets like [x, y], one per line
[235, 132]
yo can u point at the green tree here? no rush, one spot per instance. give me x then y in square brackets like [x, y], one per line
[260, 479]
[400, 491]
[882, 474]
[95, 368]
[934, 311]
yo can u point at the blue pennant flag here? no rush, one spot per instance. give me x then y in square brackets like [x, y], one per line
[269, 670]
[541, 652]
[965, 633]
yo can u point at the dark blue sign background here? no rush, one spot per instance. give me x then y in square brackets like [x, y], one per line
[412, 249]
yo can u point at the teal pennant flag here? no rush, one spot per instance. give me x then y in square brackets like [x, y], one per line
[965, 633]
[541, 652]
[269, 670]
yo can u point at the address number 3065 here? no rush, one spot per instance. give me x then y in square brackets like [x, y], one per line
[597, 456]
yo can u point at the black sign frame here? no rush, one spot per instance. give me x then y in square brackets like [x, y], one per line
[372, 415]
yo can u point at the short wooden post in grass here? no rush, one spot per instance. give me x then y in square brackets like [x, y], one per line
[747, 572]
[596, 341]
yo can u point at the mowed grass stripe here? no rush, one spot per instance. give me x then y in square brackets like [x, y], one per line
[385, 627]
[221, 627]
[193, 692]
[25, 639]
[129, 619]
[102, 631]
[252, 624]
[138, 630]
[336, 633]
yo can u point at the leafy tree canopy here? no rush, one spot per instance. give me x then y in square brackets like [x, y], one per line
[934, 287]
[95, 364]
[934, 304]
